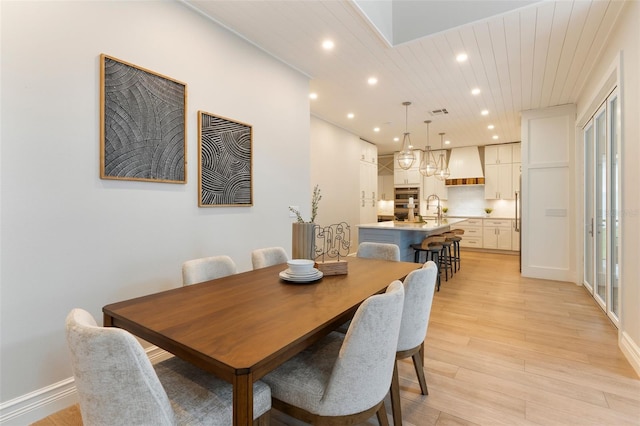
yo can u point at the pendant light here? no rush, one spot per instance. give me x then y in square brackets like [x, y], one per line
[406, 157]
[443, 168]
[428, 164]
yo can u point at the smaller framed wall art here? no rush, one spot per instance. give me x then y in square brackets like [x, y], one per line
[225, 162]
[142, 124]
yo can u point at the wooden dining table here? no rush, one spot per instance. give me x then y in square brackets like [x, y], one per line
[245, 325]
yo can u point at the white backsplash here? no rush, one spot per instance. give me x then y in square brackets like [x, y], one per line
[469, 201]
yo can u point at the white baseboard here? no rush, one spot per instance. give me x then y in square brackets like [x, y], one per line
[631, 351]
[36, 405]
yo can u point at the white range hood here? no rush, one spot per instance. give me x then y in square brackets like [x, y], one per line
[465, 167]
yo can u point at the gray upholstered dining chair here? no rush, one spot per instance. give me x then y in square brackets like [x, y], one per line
[207, 268]
[261, 258]
[343, 379]
[369, 250]
[419, 288]
[383, 251]
[117, 385]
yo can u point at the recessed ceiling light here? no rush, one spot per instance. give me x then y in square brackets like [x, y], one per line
[350, 115]
[475, 91]
[376, 129]
[313, 96]
[396, 139]
[327, 45]
[495, 136]
[491, 127]
[484, 112]
[462, 57]
[372, 81]
[447, 142]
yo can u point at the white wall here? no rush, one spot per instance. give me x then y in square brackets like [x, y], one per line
[70, 239]
[622, 58]
[335, 167]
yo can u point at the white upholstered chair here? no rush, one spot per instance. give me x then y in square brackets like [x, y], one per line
[261, 258]
[117, 385]
[370, 250]
[207, 268]
[343, 379]
[383, 251]
[419, 287]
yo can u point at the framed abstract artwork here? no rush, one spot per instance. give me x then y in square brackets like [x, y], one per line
[142, 124]
[225, 162]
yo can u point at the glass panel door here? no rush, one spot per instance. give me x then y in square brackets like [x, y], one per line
[614, 207]
[600, 194]
[602, 228]
[589, 251]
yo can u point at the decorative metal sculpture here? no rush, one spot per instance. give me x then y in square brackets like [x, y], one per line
[332, 242]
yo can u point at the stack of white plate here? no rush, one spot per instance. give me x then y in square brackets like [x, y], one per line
[301, 277]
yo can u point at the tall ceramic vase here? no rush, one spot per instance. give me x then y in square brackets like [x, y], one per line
[303, 240]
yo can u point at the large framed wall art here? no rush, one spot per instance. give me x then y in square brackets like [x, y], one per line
[142, 124]
[225, 162]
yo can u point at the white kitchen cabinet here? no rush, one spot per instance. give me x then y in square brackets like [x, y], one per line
[368, 183]
[497, 234]
[385, 187]
[368, 152]
[368, 180]
[368, 211]
[472, 237]
[498, 182]
[501, 174]
[498, 154]
[516, 153]
[409, 177]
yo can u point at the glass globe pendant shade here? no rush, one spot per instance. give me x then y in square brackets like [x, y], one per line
[406, 157]
[443, 172]
[428, 164]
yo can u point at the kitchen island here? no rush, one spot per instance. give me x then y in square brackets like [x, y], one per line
[403, 234]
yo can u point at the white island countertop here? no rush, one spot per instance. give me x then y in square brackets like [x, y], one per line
[427, 226]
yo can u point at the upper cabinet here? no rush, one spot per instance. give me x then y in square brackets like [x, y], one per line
[498, 154]
[368, 152]
[501, 165]
[409, 177]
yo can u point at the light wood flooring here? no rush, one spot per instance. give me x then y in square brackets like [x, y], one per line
[507, 350]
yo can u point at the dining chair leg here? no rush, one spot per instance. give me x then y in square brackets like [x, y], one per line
[396, 410]
[263, 420]
[417, 363]
[382, 415]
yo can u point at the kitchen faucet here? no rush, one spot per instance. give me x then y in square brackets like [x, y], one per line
[438, 209]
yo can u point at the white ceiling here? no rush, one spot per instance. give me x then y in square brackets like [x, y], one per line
[536, 56]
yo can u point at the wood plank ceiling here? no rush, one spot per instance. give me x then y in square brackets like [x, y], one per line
[533, 57]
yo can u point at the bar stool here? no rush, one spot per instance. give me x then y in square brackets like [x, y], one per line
[432, 246]
[456, 248]
[446, 261]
